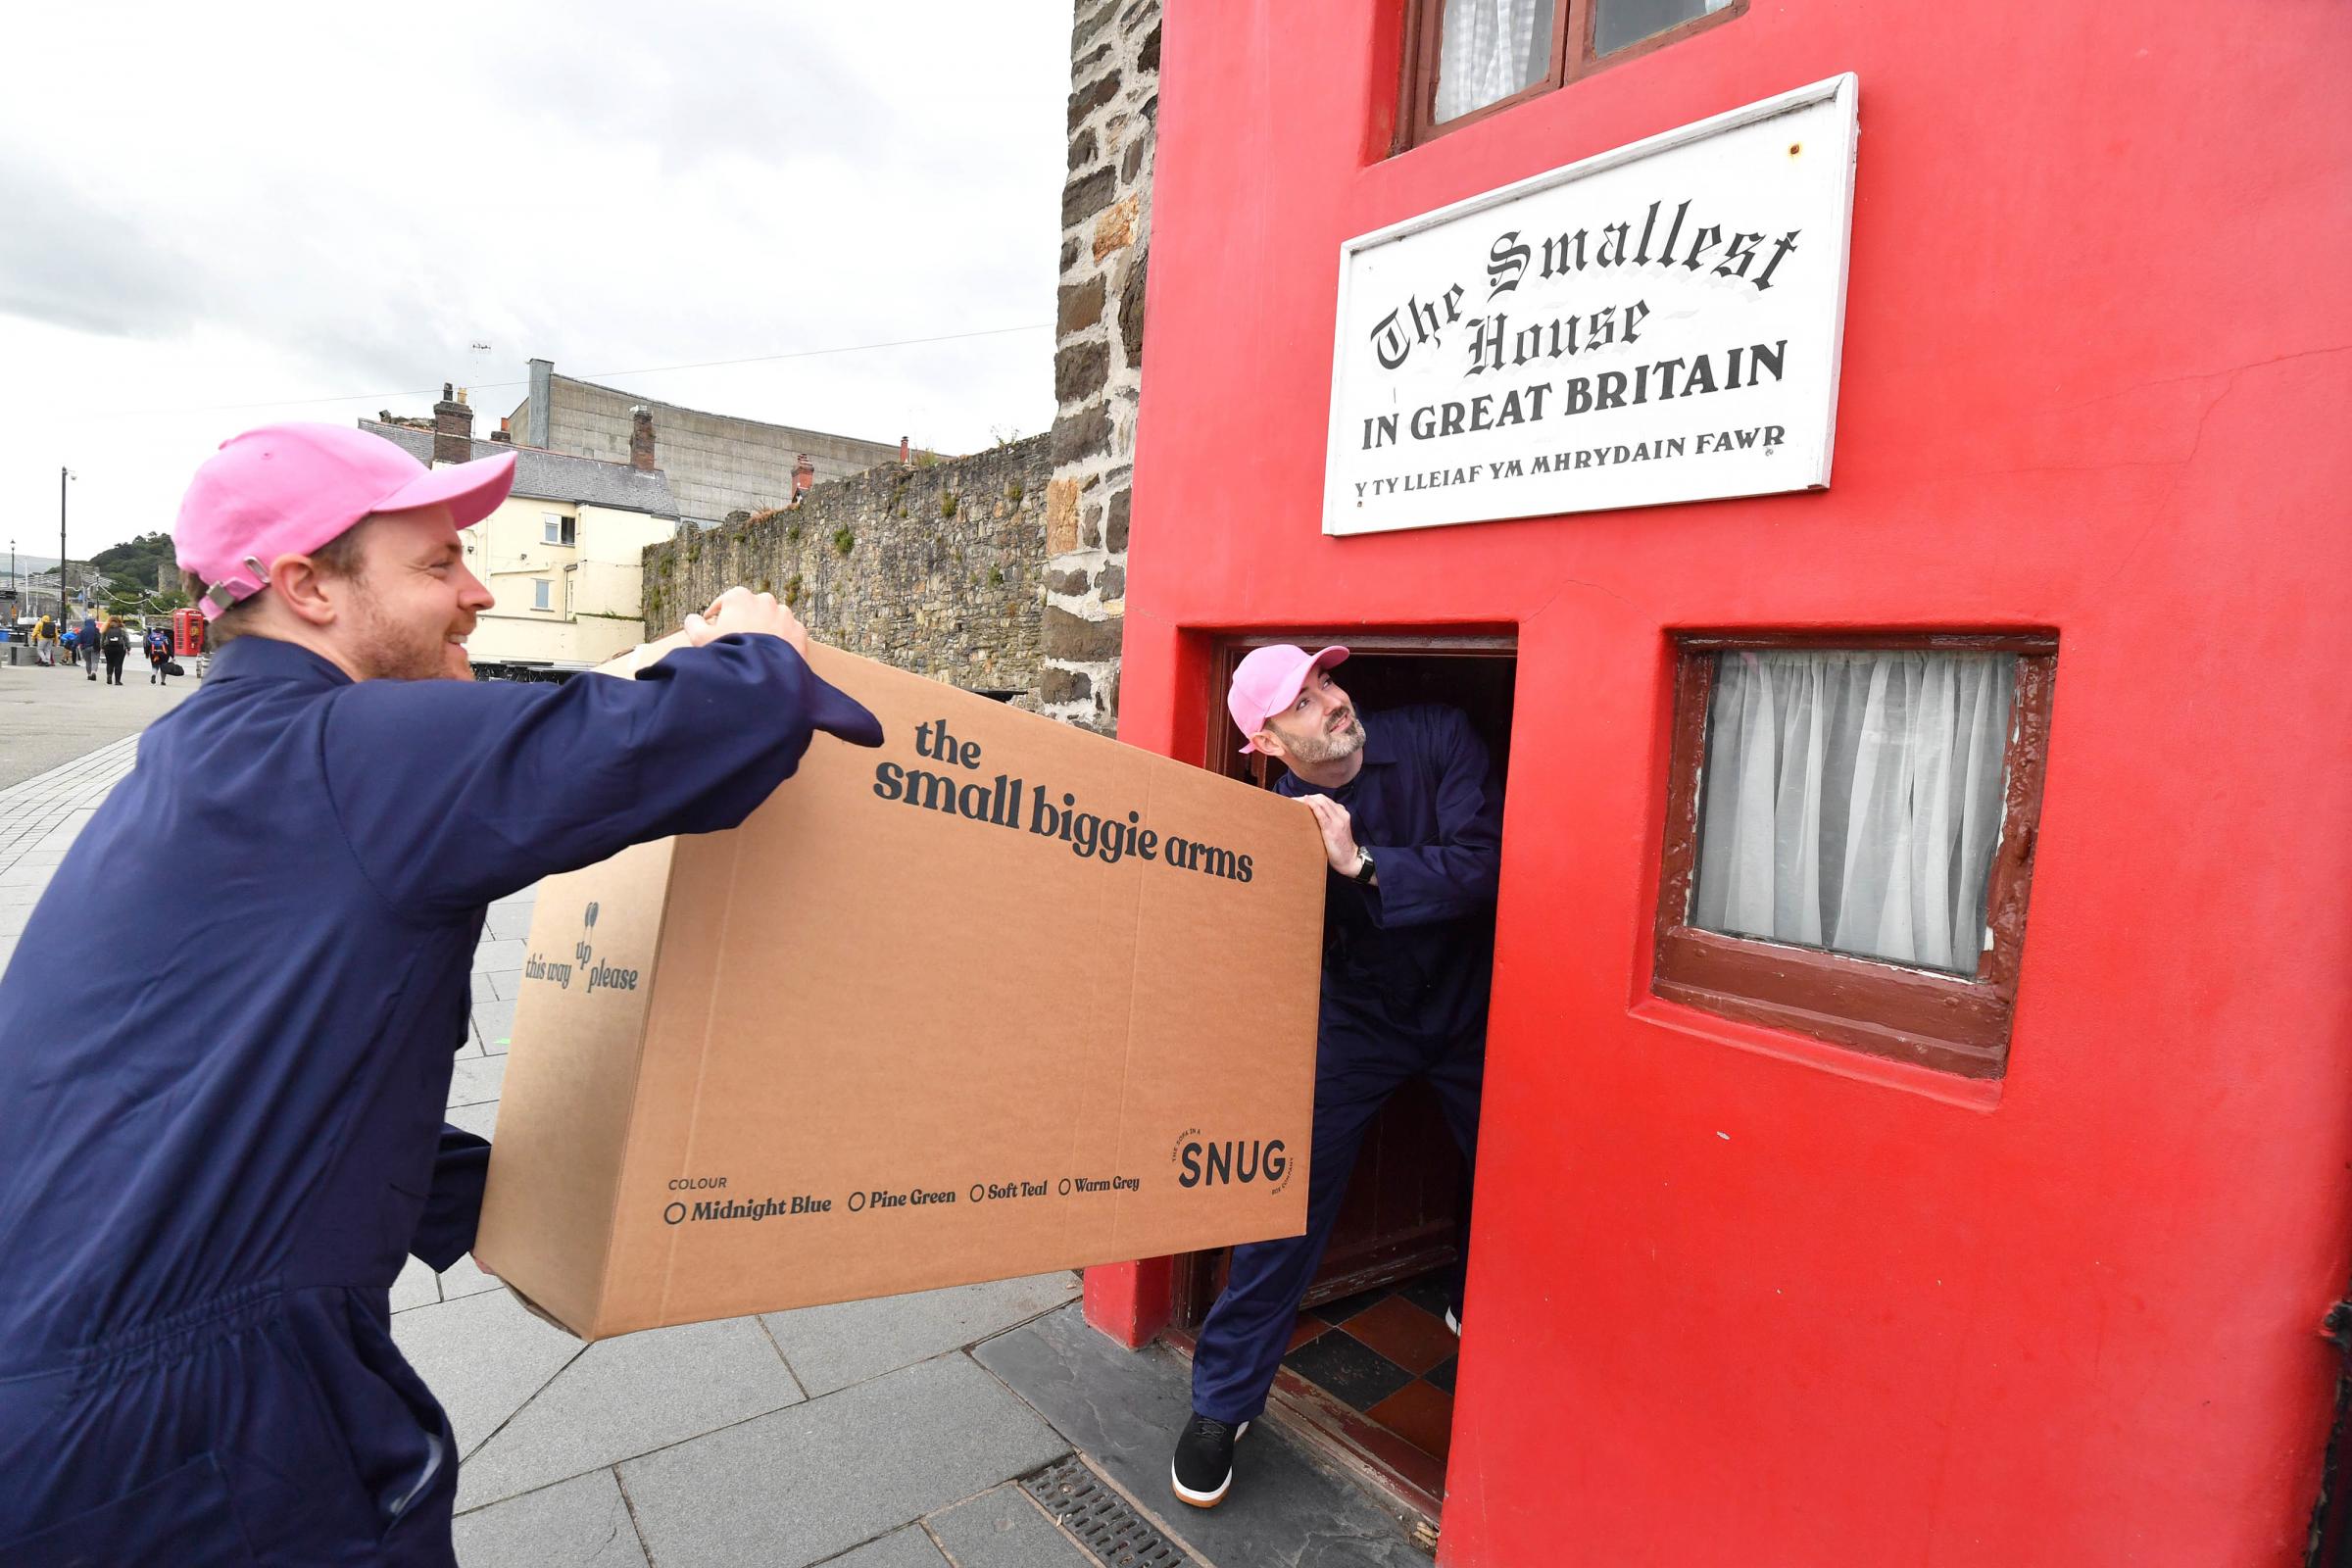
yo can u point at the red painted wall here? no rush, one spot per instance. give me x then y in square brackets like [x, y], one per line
[1735, 1298]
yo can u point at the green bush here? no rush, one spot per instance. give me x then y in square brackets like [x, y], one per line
[844, 540]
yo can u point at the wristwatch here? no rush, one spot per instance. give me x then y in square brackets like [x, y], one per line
[1364, 864]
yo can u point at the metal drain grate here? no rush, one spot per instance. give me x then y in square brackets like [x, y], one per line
[1100, 1518]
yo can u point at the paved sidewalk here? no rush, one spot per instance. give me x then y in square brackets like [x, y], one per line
[980, 1427]
[50, 716]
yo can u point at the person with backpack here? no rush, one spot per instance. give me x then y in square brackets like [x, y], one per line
[88, 641]
[159, 655]
[114, 643]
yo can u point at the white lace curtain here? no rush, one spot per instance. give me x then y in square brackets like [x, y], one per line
[1489, 49]
[1852, 800]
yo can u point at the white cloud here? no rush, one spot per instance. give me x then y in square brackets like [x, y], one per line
[271, 204]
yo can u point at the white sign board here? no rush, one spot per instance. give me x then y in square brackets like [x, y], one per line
[1657, 324]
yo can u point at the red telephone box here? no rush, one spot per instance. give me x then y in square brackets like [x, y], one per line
[188, 633]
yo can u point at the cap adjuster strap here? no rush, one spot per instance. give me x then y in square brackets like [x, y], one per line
[223, 597]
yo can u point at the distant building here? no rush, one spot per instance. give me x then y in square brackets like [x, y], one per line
[716, 463]
[564, 553]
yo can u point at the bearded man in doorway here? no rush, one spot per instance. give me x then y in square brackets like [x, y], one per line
[1411, 814]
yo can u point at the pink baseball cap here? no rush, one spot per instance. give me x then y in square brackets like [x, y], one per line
[1269, 681]
[287, 489]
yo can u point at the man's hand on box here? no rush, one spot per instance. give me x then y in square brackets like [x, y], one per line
[1339, 833]
[739, 610]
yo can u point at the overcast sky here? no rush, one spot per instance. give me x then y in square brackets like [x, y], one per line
[221, 215]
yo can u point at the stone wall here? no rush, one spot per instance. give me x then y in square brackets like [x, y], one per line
[1099, 353]
[935, 567]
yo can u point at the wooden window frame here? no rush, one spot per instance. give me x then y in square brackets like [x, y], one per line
[1951, 1023]
[1572, 59]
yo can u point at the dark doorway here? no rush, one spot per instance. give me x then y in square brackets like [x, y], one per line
[1366, 1376]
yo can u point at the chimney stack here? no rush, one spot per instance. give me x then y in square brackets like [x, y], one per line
[641, 439]
[453, 428]
[804, 474]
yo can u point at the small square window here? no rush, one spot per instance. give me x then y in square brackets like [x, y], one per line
[1849, 837]
[541, 594]
[556, 529]
[1464, 59]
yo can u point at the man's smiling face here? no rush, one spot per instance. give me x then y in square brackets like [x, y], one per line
[1320, 725]
[415, 599]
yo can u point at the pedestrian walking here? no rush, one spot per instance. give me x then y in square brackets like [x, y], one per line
[158, 657]
[115, 642]
[44, 641]
[89, 643]
[217, 1140]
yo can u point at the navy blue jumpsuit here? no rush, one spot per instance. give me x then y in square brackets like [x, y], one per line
[1406, 968]
[220, 1133]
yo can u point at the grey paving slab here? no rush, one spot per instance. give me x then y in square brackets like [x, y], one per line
[483, 991]
[508, 922]
[21, 895]
[1124, 1408]
[583, 1523]
[833, 1346]
[480, 1120]
[1002, 1529]
[627, 1397]
[506, 985]
[475, 1079]
[810, 1481]
[494, 1021]
[482, 1356]
[490, 956]
[13, 919]
[900, 1548]
[416, 1286]
[465, 1277]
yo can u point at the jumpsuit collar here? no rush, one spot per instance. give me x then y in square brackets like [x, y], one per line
[267, 659]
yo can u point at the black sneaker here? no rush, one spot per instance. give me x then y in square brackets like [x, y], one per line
[1203, 1465]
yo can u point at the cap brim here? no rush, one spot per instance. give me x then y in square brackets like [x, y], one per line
[471, 491]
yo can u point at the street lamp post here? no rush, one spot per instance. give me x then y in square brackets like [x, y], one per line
[62, 474]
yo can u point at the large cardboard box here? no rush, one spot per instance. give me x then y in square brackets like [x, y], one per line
[997, 997]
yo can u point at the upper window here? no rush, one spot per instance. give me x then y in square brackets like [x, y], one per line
[1467, 58]
[557, 528]
[1850, 835]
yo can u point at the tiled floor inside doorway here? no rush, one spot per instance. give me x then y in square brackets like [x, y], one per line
[1387, 1354]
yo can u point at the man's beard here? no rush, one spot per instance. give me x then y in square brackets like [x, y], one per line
[1327, 746]
[389, 651]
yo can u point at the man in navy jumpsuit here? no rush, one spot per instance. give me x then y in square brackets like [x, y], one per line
[1412, 815]
[220, 1133]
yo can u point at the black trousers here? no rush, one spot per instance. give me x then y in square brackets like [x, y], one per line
[114, 665]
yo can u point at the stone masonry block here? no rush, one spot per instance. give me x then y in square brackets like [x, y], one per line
[1082, 151]
[1081, 307]
[1130, 311]
[1062, 516]
[1080, 641]
[1093, 96]
[1080, 370]
[1114, 526]
[1082, 198]
[1081, 435]
[1115, 228]
[1064, 686]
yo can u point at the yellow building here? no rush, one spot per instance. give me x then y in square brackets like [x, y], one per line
[561, 553]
